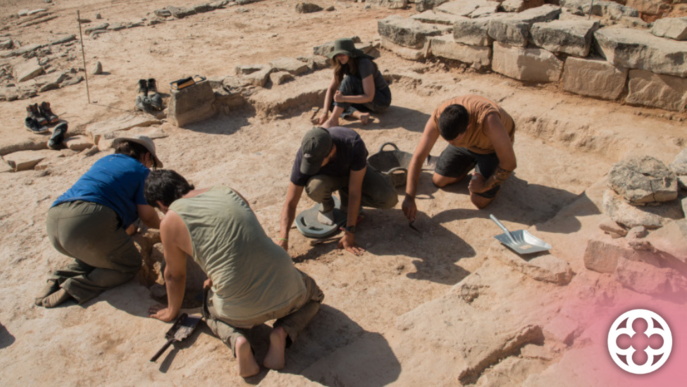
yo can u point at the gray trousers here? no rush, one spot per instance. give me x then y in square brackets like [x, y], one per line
[377, 192]
[352, 85]
[104, 254]
[293, 318]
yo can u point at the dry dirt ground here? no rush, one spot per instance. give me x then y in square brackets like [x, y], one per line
[564, 145]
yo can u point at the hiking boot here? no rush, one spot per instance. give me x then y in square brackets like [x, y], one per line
[142, 97]
[32, 112]
[46, 112]
[154, 98]
[57, 136]
[33, 126]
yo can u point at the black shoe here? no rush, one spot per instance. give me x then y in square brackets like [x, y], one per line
[57, 136]
[154, 98]
[32, 112]
[142, 98]
[33, 126]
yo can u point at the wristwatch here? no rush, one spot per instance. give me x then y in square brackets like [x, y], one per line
[350, 229]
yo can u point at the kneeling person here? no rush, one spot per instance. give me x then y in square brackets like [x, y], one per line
[252, 279]
[329, 160]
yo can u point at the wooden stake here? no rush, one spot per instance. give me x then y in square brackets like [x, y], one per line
[83, 56]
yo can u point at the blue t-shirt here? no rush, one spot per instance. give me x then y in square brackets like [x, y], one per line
[115, 181]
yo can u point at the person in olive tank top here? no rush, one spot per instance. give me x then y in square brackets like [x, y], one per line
[251, 279]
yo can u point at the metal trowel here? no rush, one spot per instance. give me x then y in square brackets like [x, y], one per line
[181, 329]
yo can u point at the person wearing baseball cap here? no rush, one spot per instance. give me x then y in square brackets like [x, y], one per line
[357, 87]
[329, 160]
[93, 222]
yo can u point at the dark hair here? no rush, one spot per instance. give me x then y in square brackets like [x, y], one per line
[166, 186]
[134, 150]
[352, 66]
[453, 121]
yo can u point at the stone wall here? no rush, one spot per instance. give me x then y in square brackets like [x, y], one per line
[611, 55]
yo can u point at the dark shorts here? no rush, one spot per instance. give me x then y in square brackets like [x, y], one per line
[456, 162]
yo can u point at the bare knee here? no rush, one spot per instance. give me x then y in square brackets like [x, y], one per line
[442, 181]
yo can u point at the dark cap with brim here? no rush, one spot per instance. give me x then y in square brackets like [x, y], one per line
[345, 46]
[316, 146]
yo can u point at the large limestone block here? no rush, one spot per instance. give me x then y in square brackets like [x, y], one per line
[474, 32]
[651, 217]
[648, 279]
[637, 49]
[290, 65]
[462, 7]
[593, 77]
[602, 255]
[651, 7]
[546, 268]
[671, 27]
[642, 180]
[509, 31]
[661, 91]
[23, 160]
[27, 70]
[569, 37]
[78, 143]
[432, 17]
[404, 52]
[192, 104]
[606, 9]
[408, 32]
[679, 164]
[123, 122]
[427, 5]
[485, 11]
[526, 64]
[520, 5]
[546, 12]
[671, 239]
[446, 47]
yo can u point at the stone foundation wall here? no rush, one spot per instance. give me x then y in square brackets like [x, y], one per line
[610, 56]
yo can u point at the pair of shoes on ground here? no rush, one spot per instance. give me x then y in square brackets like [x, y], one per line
[148, 98]
[52, 295]
[38, 116]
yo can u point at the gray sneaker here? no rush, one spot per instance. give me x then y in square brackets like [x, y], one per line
[142, 98]
[154, 98]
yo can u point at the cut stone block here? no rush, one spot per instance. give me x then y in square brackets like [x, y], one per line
[647, 279]
[546, 268]
[606, 9]
[126, 121]
[432, 17]
[23, 160]
[474, 32]
[509, 31]
[290, 65]
[569, 37]
[78, 143]
[642, 180]
[671, 27]
[679, 164]
[593, 77]
[446, 47]
[671, 239]
[520, 5]
[662, 91]
[630, 216]
[27, 70]
[408, 33]
[404, 52]
[192, 104]
[424, 5]
[485, 11]
[526, 64]
[602, 257]
[637, 49]
[462, 7]
[562, 329]
[546, 12]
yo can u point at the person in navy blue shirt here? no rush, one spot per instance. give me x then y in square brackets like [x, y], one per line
[93, 222]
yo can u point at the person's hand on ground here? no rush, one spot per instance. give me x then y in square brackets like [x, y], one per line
[348, 242]
[477, 184]
[409, 208]
[161, 312]
[339, 97]
[323, 118]
[207, 283]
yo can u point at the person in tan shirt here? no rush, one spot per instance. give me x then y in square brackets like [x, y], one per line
[480, 135]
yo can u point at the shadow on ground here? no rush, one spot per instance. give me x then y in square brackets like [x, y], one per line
[222, 124]
[6, 338]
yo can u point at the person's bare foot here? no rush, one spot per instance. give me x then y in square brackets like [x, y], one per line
[275, 355]
[56, 298]
[244, 355]
[364, 118]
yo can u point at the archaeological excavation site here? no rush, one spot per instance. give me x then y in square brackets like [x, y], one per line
[531, 232]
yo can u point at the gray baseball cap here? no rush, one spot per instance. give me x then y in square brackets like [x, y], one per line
[316, 146]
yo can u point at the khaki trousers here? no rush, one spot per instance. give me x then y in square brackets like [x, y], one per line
[293, 318]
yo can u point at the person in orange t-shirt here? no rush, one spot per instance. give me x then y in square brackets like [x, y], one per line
[480, 135]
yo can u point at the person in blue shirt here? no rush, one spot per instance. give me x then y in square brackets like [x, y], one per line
[93, 222]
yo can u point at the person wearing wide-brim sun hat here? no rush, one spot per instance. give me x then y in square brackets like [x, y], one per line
[357, 87]
[93, 222]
